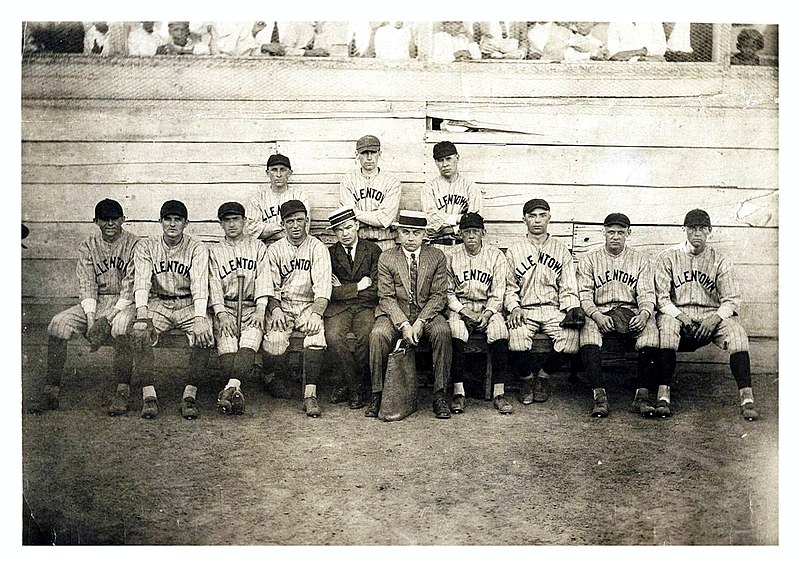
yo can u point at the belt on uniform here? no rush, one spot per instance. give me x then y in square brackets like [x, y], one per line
[164, 296]
[235, 302]
[447, 240]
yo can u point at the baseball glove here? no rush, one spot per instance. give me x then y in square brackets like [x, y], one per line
[144, 334]
[688, 331]
[574, 319]
[622, 318]
[99, 334]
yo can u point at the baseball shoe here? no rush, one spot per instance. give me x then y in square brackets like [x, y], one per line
[149, 408]
[119, 405]
[641, 403]
[749, 411]
[237, 402]
[600, 405]
[457, 404]
[526, 392]
[311, 407]
[663, 409]
[374, 405]
[340, 394]
[356, 400]
[224, 400]
[440, 408]
[540, 389]
[502, 405]
[189, 408]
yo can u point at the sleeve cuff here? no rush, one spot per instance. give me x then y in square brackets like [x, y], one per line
[122, 304]
[141, 297]
[454, 304]
[671, 310]
[724, 312]
[89, 305]
[402, 325]
[217, 308]
[200, 306]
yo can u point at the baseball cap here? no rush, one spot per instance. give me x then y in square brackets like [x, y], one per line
[108, 209]
[368, 143]
[697, 217]
[292, 206]
[444, 149]
[470, 220]
[535, 204]
[412, 219]
[617, 218]
[278, 159]
[173, 207]
[230, 208]
[341, 215]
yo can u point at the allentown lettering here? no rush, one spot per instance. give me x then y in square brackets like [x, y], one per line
[615, 276]
[452, 199]
[171, 266]
[110, 263]
[234, 264]
[544, 259]
[295, 264]
[368, 193]
[702, 278]
[474, 274]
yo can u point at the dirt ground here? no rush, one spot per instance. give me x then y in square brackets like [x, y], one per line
[546, 474]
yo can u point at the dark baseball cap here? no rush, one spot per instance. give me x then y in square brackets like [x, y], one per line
[444, 149]
[292, 206]
[230, 208]
[173, 207]
[470, 220]
[278, 159]
[617, 218]
[108, 209]
[535, 204]
[697, 217]
[368, 143]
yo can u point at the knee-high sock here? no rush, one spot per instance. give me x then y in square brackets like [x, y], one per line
[123, 359]
[553, 362]
[459, 368]
[593, 365]
[521, 362]
[56, 359]
[198, 362]
[647, 368]
[312, 363]
[666, 368]
[740, 367]
[498, 351]
[243, 363]
[226, 364]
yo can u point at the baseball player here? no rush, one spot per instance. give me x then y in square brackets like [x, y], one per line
[300, 266]
[541, 296]
[373, 195]
[171, 292]
[263, 209]
[105, 283]
[449, 196]
[615, 287]
[478, 274]
[238, 274]
[354, 296]
[697, 298]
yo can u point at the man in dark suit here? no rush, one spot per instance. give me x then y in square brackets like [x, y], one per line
[354, 262]
[412, 292]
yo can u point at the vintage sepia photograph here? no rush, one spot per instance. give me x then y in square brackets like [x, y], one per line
[356, 283]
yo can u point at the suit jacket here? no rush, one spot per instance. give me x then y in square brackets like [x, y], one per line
[364, 264]
[394, 284]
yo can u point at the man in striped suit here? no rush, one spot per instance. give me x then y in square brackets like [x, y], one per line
[615, 287]
[373, 194]
[697, 297]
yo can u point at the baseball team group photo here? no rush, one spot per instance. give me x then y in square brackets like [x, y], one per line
[347, 301]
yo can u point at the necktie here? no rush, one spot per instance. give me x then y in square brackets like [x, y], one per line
[349, 250]
[275, 38]
[412, 298]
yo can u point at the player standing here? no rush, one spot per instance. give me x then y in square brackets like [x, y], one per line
[615, 286]
[300, 267]
[373, 195]
[541, 288]
[171, 292]
[105, 283]
[238, 263]
[697, 297]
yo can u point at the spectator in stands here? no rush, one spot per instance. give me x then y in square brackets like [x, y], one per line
[143, 39]
[180, 41]
[235, 39]
[749, 42]
[395, 41]
[503, 40]
[294, 39]
[453, 43]
[587, 41]
[52, 37]
[96, 41]
[636, 41]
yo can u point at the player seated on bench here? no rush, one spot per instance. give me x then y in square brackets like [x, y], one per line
[697, 297]
[239, 283]
[615, 286]
[477, 274]
[300, 268]
[105, 312]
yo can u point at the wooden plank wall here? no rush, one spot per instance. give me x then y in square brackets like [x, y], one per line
[651, 141]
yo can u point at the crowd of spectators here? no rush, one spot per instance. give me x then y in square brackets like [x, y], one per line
[440, 42]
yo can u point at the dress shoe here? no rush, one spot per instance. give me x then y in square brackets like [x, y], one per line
[149, 408]
[749, 411]
[663, 408]
[189, 408]
[374, 405]
[526, 392]
[457, 403]
[340, 394]
[502, 405]
[440, 408]
[356, 401]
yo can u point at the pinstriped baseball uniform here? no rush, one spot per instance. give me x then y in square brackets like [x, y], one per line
[697, 286]
[264, 211]
[541, 281]
[444, 201]
[226, 259]
[378, 196]
[105, 280]
[172, 282]
[477, 282]
[300, 274]
[606, 281]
